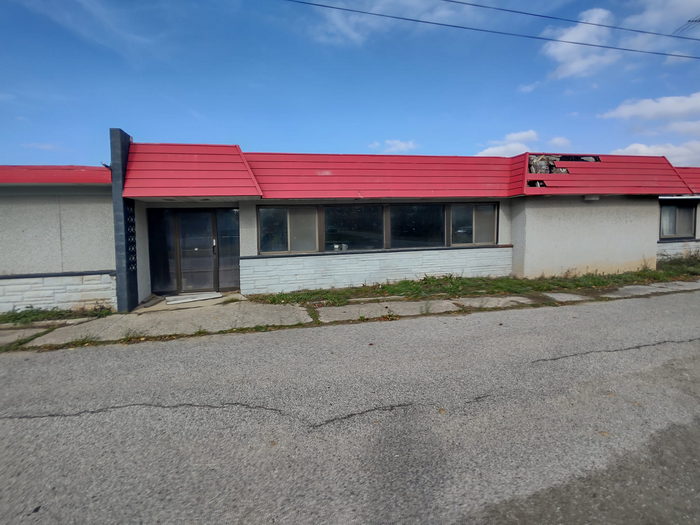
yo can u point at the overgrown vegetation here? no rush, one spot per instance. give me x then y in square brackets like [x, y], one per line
[452, 286]
[33, 315]
[17, 345]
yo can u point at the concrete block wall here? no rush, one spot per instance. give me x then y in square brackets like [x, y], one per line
[286, 274]
[64, 292]
[55, 230]
[559, 235]
[678, 249]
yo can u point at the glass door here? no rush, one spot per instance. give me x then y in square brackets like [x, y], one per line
[197, 251]
[228, 248]
[193, 250]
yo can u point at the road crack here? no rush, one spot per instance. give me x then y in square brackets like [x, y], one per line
[144, 405]
[613, 350]
[385, 408]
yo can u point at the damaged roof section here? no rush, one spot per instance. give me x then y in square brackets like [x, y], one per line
[555, 174]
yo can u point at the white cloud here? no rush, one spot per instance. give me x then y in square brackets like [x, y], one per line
[685, 127]
[341, 27]
[522, 136]
[662, 16]
[394, 145]
[658, 108]
[338, 27]
[580, 61]
[512, 144]
[504, 150]
[100, 22]
[529, 88]
[686, 154]
[6, 97]
[560, 142]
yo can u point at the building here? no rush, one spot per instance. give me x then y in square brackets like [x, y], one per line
[177, 218]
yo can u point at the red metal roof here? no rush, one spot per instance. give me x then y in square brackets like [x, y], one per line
[691, 176]
[613, 175]
[55, 175]
[319, 176]
[188, 170]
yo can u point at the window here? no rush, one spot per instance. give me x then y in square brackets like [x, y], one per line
[340, 228]
[353, 228]
[677, 221]
[473, 223]
[287, 229]
[414, 226]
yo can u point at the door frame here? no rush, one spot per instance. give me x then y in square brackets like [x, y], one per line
[179, 212]
[174, 233]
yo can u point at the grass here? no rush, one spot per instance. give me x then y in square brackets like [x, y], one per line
[33, 315]
[17, 345]
[453, 286]
[82, 341]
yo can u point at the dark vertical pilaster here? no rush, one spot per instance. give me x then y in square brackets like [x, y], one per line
[124, 224]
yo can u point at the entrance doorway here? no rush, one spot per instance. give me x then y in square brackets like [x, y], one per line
[193, 250]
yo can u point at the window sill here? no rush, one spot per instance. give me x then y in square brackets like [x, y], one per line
[677, 239]
[390, 250]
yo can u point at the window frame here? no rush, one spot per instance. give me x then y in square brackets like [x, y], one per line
[448, 225]
[388, 240]
[322, 226]
[287, 209]
[693, 234]
[320, 219]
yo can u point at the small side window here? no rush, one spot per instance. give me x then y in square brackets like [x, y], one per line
[677, 221]
[473, 223]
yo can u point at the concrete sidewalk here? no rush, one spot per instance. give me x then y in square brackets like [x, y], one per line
[220, 315]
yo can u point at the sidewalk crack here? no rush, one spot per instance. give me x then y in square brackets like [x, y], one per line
[626, 349]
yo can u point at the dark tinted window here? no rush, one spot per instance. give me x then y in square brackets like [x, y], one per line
[462, 223]
[161, 249]
[273, 229]
[229, 247]
[417, 226]
[353, 228]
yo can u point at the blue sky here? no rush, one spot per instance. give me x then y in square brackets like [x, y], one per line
[275, 76]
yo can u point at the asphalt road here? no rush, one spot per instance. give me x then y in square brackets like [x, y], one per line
[574, 414]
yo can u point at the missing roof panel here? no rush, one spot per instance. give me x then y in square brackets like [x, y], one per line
[547, 163]
[537, 184]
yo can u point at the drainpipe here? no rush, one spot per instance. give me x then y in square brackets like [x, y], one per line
[124, 224]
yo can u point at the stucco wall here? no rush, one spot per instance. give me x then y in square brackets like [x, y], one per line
[556, 235]
[52, 230]
[284, 274]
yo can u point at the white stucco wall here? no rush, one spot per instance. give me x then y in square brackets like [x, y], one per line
[557, 235]
[52, 230]
[285, 274]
